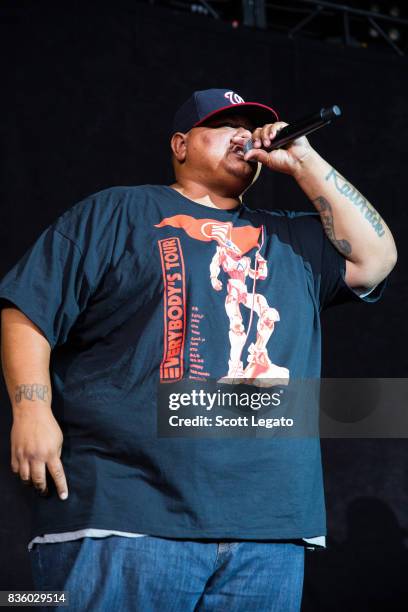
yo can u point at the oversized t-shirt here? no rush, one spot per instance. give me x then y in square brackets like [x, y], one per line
[138, 289]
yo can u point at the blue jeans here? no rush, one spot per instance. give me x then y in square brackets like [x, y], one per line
[153, 574]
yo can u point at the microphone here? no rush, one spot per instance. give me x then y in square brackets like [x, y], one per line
[299, 128]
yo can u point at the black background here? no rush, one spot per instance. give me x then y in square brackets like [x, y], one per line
[88, 95]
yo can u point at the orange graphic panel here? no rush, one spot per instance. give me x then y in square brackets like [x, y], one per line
[171, 255]
[245, 238]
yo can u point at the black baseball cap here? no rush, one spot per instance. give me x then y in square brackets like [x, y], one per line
[207, 103]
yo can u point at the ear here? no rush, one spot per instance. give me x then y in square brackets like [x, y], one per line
[178, 145]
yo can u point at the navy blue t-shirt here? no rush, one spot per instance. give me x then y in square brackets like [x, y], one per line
[139, 286]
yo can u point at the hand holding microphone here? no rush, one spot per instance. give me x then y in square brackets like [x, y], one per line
[283, 148]
[300, 128]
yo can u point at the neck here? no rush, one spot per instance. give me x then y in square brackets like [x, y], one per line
[204, 195]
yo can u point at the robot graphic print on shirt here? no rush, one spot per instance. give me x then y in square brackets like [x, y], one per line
[230, 257]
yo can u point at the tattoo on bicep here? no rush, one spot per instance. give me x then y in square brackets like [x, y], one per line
[358, 200]
[326, 215]
[31, 392]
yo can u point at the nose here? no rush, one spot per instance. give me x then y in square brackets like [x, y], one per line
[243, 132]
[241, 135]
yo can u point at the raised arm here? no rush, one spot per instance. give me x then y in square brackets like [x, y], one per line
[351, 223]
[215, 270]
[36, 438]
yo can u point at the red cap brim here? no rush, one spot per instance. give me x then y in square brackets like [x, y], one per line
[260, 111]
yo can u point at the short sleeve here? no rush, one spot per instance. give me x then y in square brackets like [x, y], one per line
[333, 288]
[49, 285]
[327, 265]
[53, 282]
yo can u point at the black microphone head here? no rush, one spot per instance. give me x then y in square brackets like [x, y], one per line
[327, 114]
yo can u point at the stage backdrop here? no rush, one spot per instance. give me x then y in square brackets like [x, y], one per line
[88, 94]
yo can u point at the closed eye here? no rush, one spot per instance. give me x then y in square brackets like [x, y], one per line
[229, 124]
[226, 124]
[234, 125]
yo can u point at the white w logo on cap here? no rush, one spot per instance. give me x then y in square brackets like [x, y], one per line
[233, 97]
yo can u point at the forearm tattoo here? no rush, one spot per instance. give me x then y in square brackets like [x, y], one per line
[31, 392]
[326, 215]
[358, 200]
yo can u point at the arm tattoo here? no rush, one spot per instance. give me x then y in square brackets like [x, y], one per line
[31, 392]
[358, 200]
[326, 215]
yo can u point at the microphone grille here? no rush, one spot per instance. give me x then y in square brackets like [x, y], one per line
[248, 146]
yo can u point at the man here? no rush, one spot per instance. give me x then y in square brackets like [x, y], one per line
[124, 294]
